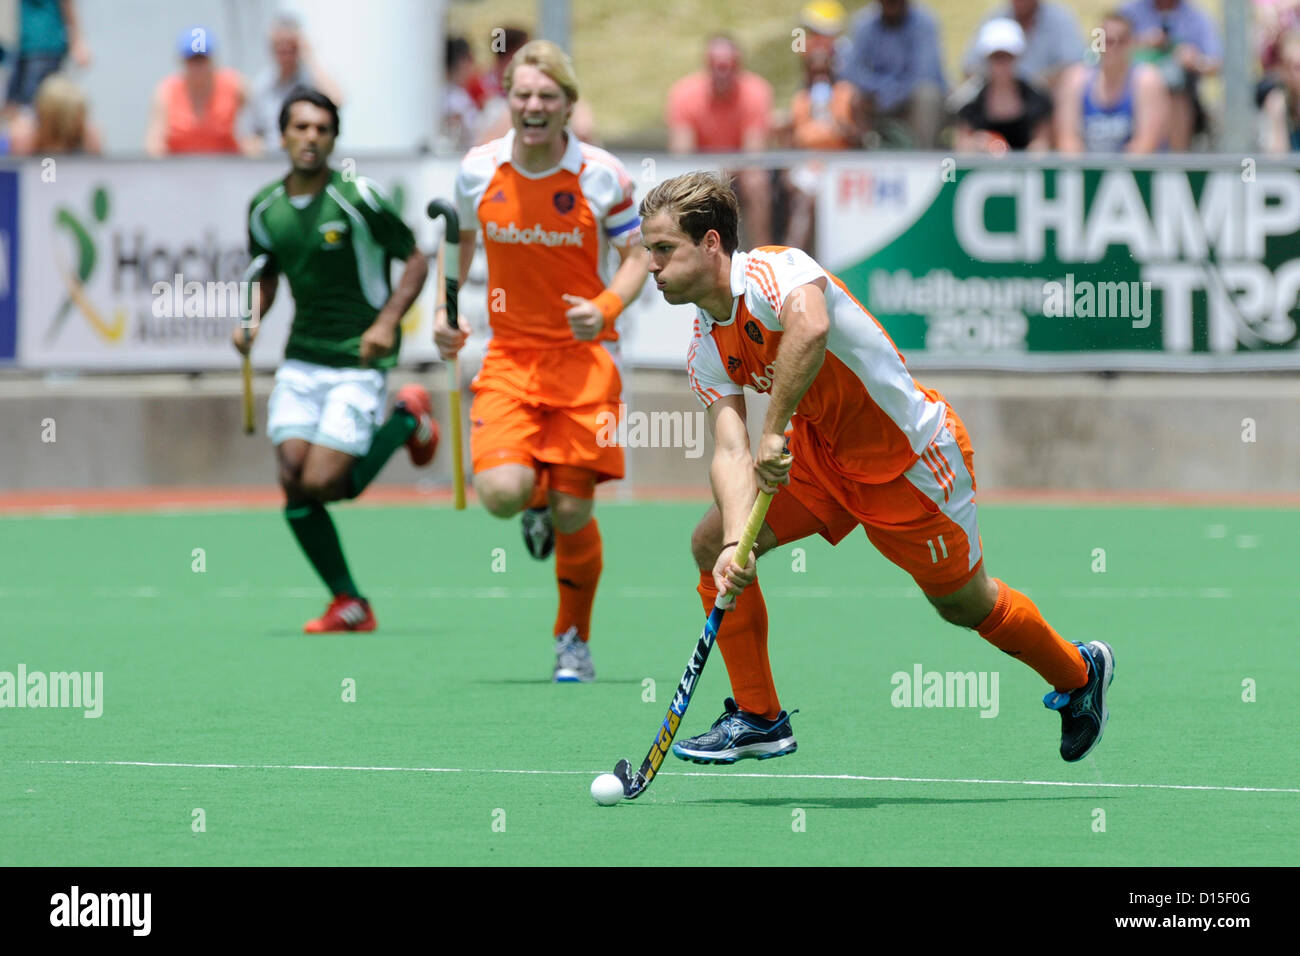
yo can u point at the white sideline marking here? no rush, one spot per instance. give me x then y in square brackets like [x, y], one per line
[243, 592]
[669, 773]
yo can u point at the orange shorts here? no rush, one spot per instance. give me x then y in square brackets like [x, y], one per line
[524, 412]
[924, 520]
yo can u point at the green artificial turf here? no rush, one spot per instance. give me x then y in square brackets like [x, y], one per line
[459, 750]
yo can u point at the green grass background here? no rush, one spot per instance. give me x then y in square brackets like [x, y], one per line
[211, 668]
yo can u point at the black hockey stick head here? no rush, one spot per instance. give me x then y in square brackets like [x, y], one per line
[632, 785]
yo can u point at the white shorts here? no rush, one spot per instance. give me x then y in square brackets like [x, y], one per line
[339, 408]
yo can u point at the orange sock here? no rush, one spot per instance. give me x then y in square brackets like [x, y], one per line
[577, 569]
[1016, 627]
[743, 642]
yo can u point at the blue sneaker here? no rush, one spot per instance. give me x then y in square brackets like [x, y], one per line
[737, 735]
[1083, 710]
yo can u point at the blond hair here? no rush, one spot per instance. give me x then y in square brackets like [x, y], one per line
[60, 115]
[551, 60]
[698, 202]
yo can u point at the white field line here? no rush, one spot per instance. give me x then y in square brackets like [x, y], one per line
[679, 773]
[624, 593]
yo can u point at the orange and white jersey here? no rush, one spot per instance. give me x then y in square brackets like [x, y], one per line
[863, 407]
[546, 234]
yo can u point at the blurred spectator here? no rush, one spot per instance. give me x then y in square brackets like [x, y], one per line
[494, 119]
[1117, 106]
[58, 123]
[821, 113]
[895, 61]
[460, 112]
[1053, 42]
[48, 32]
[195, 110]
[1005, 112]
[1182, 43]
[726, 109]
[723, 108]
[1282, 104]
[821, 117]
[295, 65]
[504, 46]
[1273, 18]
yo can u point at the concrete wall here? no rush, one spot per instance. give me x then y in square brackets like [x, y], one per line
[1057, 432]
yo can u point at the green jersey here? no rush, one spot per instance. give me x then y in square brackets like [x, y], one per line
[336, 251]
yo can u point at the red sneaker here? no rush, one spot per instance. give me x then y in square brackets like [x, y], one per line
[344, 614]
[424, 440]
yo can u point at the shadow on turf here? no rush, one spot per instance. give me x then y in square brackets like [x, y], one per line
[366, 636]
[862, 803]
[543, 680]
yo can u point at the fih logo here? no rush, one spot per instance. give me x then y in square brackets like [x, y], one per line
[75, 280]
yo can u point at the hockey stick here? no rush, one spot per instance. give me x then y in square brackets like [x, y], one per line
[634, 786]
[447, 296]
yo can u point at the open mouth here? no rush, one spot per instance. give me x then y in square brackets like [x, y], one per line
[535, 122]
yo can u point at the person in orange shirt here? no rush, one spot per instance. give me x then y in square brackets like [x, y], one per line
[195, 110]
[868, 446]
[725, 108]
[549, 207]
[822, 116]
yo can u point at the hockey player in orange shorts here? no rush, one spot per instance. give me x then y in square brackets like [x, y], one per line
[549, 208]
[868, 446]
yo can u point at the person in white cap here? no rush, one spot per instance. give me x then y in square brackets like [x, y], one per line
[1053, 42]
[1005, 113]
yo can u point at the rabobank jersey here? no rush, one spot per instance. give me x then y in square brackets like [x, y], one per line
[870, 416]
[546, 234]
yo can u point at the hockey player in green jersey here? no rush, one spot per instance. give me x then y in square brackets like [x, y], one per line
[334, 238]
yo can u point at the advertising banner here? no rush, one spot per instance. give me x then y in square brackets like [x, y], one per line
[138, 265]
[8, 265]
[1120, 266]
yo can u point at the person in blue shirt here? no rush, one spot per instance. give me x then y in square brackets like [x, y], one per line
[1117, 106]
[1182, 43]
[895, 61]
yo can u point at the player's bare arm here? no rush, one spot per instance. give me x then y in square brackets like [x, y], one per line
[588, 317]
[798, 359]
[731, 475]
[450, 341]
[380, 339]
[263, 298]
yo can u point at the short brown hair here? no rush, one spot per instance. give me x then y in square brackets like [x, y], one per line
[699, 202]
[551, 60]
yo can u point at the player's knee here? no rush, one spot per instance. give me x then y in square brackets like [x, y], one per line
[961, 613]
[322, 487]
[503, 502]
[705, 544]
[570, 514]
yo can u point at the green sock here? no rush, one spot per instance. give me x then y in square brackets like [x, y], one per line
[390, 437]
[314, 529]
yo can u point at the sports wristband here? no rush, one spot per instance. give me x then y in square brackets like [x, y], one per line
[610, 306]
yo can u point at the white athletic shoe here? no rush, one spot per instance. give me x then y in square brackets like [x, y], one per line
[572, 659]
